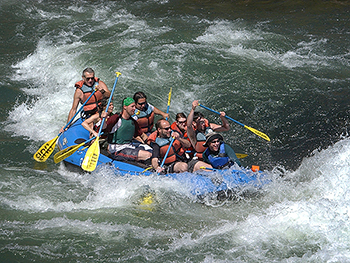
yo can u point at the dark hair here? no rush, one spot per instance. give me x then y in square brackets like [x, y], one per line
[88, 70]
[104, 102]
[123, 103]
[158, 123]
[180, 115]
[139, 95]
[197, 115]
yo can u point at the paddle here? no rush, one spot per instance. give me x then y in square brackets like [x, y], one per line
[167, 152]
[241, 155]
[47, 148]
[169, 99]
[92, 154]
[207, 168]
[65, 153]
[259, 133]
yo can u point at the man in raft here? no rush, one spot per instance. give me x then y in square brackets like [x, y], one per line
[197, 129]
[175, 160]
[144, 113]
[83, 90]
[218, 154]
[179, 125]
[122, 129]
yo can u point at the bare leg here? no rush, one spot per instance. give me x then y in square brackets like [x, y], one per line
[143, 155]
[200, 164]
[180, 167]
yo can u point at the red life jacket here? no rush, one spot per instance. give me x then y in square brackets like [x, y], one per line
[95, 100]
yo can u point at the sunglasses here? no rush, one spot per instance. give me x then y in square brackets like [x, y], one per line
[182, 122]
[89, 78]
[167, 128]
[143, 103]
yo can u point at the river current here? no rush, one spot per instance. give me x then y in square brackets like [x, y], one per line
[281, 67]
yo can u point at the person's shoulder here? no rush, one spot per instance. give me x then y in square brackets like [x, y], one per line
[227, 147]
[78, 91]
[113, 118]
[150, 106]
[101, 82]
[78, 94]
[173, 126]
[153, 136]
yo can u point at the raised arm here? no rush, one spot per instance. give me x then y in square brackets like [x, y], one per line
[223, 127]
[190, 131]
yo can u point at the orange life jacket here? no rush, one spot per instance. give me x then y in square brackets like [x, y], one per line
[95, 100]
[152, 137]
[200, 136]
[175, 151]
[176, 128]
[145, 119]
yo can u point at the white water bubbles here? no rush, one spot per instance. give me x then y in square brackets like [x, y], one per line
[308, 208]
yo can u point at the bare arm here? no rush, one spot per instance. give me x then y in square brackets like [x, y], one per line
[159, 112]
[76, 99]
[155, 159]
[138, 138]
[88, 124]
[102, 86]
[184, 142]
[155, 162]
[190, 131]
[223, 127]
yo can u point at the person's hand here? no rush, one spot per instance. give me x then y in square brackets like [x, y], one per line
[104, 114]
[100, 89]
[62, 129]
[166, 115]
[95, 134]
[222, 113]
[194, 104]
[159, 169]
[175, 134]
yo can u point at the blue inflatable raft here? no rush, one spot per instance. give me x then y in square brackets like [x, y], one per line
[221, 182]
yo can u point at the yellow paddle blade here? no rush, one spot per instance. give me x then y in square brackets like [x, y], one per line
[91, 157]
[259, 133]
[169, 96]
[45, 150]
[241, 155]
[147, 169]
[63, 154]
